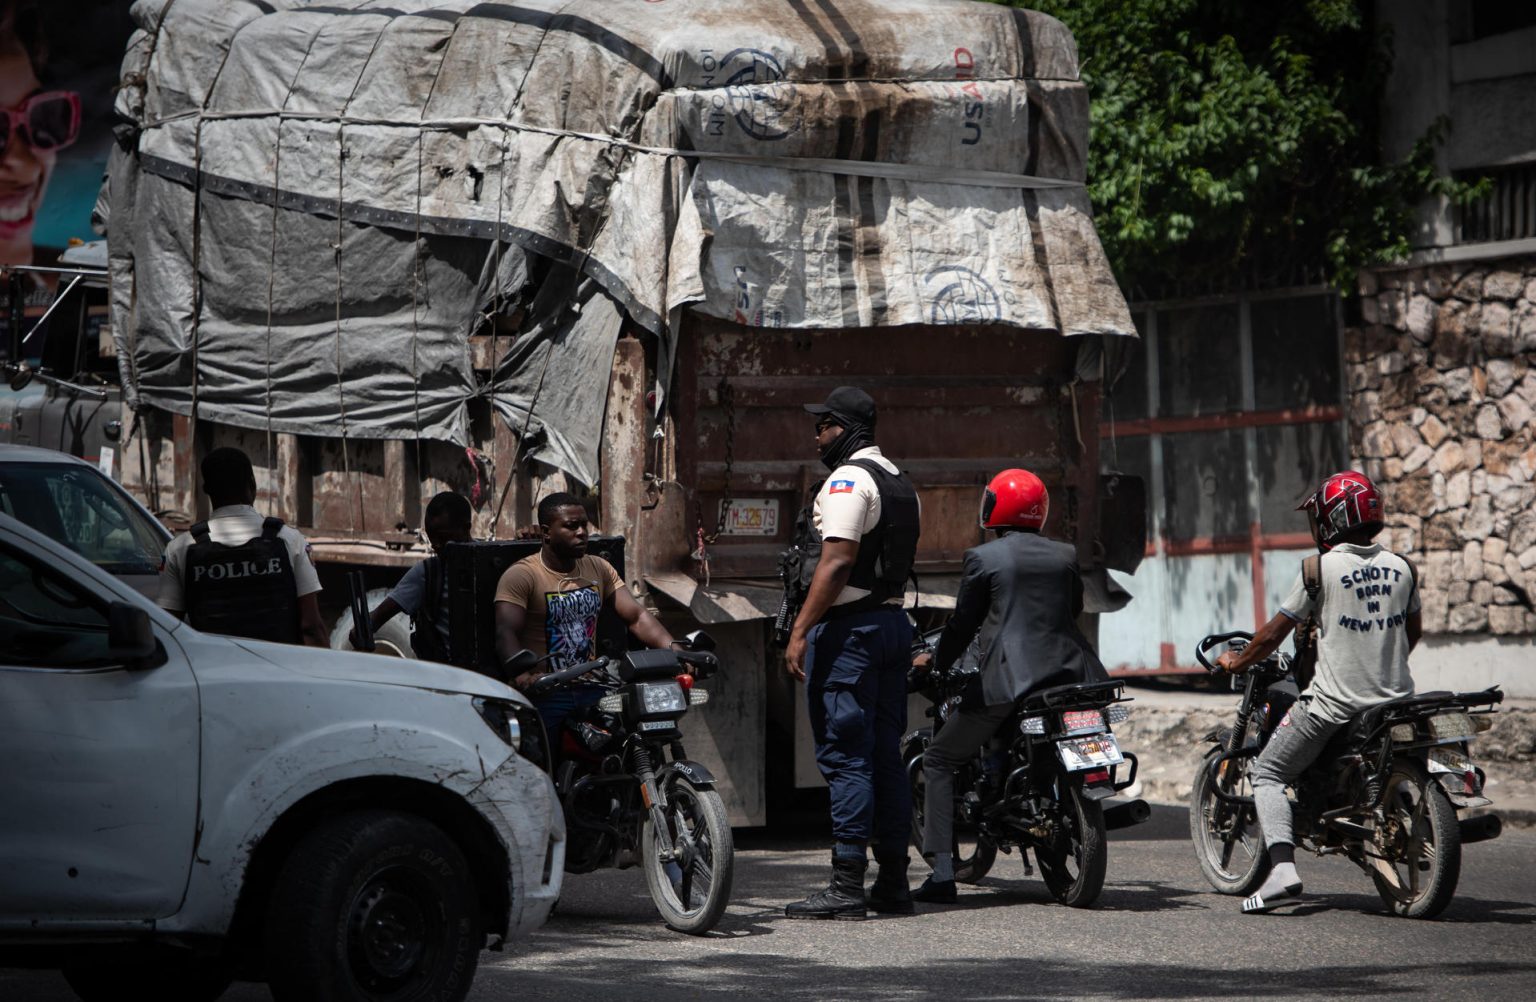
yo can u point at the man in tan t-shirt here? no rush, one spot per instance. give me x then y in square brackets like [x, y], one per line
[549, 604]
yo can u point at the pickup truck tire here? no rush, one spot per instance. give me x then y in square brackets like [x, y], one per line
[162, 974]
[373, 905]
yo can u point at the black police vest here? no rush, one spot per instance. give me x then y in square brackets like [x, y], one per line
[888, 551]
[426, 639]
[244, 590]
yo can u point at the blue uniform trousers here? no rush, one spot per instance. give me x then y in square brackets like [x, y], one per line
[856, 684]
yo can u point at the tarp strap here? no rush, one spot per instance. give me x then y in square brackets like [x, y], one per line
[922, 173]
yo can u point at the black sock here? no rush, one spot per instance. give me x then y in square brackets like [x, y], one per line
[1282, 852]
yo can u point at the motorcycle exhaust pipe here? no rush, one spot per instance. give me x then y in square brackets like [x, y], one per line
[1132, 812]
[1481, 828]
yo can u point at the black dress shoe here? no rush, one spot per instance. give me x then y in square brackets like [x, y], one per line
[936, 892]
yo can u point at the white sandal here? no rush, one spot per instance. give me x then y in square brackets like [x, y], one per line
[1257, 903]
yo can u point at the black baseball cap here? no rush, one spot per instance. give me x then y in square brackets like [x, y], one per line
[848, 404]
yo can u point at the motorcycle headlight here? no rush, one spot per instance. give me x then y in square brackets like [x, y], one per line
[661, 697]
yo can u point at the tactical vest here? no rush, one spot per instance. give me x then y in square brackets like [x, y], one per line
[244, 590]
[886, 552]
[426, 639]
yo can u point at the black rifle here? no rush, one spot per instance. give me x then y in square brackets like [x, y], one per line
[362, 623]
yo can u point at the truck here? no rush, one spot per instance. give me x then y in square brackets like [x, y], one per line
[613, 249]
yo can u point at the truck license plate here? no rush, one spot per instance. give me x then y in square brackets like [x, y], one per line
[1093, 752]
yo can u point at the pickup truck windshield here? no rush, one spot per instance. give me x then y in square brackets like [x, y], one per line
[79, 507]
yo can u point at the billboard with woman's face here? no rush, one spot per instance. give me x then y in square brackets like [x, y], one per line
[59, 61]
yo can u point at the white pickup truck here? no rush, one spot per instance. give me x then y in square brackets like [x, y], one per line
[178, 809]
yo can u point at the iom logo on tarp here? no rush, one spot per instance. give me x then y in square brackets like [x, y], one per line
[762, 110]
[958, 295]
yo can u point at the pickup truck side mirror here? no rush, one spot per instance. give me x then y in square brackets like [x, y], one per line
[130, 637]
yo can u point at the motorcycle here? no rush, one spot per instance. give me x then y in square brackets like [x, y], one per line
[1383, 793]
[1039, 783]
[629, 792]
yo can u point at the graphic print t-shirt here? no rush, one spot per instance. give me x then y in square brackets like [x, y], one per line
[562, 608]
[1367, 596]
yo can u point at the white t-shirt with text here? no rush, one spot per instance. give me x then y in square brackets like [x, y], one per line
[1367, 595]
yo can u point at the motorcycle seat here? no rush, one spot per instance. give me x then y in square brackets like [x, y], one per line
[1074, 694]
[1367, 721]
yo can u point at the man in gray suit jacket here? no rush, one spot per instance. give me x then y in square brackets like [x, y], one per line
[1019, 598]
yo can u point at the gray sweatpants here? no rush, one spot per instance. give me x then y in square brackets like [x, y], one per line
[1295, 744]
[958, 740]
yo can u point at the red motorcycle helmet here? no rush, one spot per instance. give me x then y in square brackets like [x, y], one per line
[1015, 499]
[1344, 502]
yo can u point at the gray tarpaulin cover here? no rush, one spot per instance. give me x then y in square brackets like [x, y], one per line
[318, 202]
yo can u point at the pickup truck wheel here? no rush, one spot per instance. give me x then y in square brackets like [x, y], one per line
[373, 907]
[166, 975]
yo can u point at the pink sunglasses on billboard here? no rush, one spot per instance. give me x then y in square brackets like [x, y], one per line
[47, 121]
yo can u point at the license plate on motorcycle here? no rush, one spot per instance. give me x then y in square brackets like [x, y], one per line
[1094, 752]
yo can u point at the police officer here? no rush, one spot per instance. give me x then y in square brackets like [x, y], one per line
[851, 645]
[238, 573]
[1019, 599]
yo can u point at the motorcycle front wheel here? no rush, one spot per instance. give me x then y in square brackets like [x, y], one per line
[1422, 841]
[692, 888]
[973, 855]
[1073, 866]
[1226, 835]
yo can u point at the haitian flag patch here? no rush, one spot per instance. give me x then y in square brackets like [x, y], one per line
[840, 487]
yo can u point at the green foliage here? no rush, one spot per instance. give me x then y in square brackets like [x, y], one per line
[1236, 142]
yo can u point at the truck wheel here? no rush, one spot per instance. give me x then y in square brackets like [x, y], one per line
[393, 639]
[372, 906]
[165, 975]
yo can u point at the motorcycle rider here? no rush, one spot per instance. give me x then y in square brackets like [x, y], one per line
[1367, 615]
[549, 603]
[849, 644]
[1019, 598]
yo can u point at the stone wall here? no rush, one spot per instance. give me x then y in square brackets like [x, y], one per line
[1441, 404]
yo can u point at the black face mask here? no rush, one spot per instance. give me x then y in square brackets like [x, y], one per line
[855, 436]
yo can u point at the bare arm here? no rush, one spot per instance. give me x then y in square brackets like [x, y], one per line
[310, 624]
[1415, 627]
[1265, 642]
[646, 627]
[510, 619]
[832, 570]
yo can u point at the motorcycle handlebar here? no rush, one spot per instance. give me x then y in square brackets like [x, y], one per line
[1212, 641]
[548, 683]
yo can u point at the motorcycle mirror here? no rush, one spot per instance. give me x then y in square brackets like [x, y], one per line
[524, 660]
[20, 377]
[700, 641]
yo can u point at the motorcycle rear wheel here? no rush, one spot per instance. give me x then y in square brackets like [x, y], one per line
[690, 895]
[1074, 868]
[1424, 843]
[973, 855]
[1233, 859]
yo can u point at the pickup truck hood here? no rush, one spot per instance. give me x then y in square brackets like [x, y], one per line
[350, 666]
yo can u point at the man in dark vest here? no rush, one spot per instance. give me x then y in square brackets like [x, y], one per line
[1019, 599]
[238, 573]
[851, 645]
[422, 593]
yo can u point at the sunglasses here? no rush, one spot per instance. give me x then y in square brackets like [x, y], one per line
[822, 424]
[48, 121]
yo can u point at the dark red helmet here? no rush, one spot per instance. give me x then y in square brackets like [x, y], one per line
[1015, 499]
[1345, 501]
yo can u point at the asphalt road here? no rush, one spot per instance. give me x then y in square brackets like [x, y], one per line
[1158, 933]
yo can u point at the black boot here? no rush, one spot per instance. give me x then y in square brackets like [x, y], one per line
[890, 894]
[843, 898]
